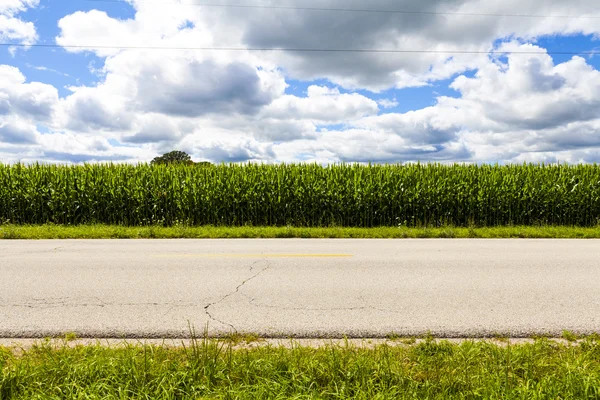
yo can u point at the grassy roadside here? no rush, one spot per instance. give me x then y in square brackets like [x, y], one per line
[212, 232]
[211, 369]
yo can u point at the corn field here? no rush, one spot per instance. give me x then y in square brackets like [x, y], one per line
[301, 195]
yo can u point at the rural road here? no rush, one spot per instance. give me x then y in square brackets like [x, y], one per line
[302, 288]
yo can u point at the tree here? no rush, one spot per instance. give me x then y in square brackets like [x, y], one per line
[173, 157]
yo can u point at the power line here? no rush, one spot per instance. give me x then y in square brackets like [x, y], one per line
[302, 50]
[271, 7]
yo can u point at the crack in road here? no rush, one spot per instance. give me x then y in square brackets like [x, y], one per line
[100, 304]
[237, 289]
[252, 302]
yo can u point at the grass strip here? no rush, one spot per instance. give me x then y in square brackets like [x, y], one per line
[215, 232]
[211, 369]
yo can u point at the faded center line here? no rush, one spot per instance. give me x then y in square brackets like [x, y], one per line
[225, 255]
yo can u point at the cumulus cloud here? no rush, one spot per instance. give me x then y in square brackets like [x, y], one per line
[72, 148]
[13, 28]
[429, 126]
[511, 111]
[397, 31]
[533, 93]
[179, 84]
[11, 7]
[362, 145]
[162, 129]
[528, 105]
[387, 103]
[14, 130]
[233, 105]
[23, 106]
[311, 29]
[98, 108]
[195, 88]
[224, 146]
[323, 105]
[32, 100]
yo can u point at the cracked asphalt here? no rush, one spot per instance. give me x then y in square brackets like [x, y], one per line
[299, 288]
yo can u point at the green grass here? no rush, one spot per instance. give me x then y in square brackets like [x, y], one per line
[209, 369]
[211, 232]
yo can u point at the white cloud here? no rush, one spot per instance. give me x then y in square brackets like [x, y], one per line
[233, 106]
[224, 146]
[507, 112]
[322, 105]
[178, 84]
[196, 88]
[95, 109]
[528, 105]
[13, 28]
[72, 148]
[11, 7]
[156, 25]
[285, 29]
[23, 106]
[388, 103]
[43, 68]
[156, 128]
[532, 93]
[35, 101]
[14, 130]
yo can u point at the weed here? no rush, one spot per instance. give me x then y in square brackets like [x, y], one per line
[569, 336]
[210, 368]
[70, 336]
[501, 337]
[238, 338]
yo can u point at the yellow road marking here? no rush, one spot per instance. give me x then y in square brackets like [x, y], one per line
[224, 255]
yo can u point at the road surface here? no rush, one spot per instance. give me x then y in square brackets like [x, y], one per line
[300, 288]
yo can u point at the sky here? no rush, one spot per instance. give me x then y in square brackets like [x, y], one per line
[460, 81]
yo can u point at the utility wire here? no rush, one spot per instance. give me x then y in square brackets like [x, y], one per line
[270, 7]
[303, 50]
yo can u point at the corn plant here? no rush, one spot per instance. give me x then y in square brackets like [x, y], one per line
[301, 195]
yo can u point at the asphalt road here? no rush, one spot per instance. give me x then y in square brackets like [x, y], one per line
[301, 288]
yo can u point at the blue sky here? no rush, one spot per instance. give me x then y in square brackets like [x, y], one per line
[63, 68]
[96, 105]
